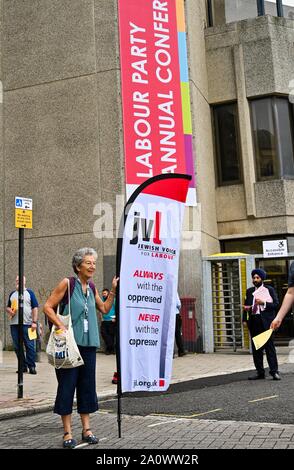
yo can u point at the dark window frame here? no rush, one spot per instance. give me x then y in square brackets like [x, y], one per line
[226, 248]
[278, 155]
[260, 10]
[217, 151]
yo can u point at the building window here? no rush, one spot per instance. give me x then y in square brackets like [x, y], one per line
[288, 9]
[272, 128]
[228, 11]
[227, 147]
[270, 7]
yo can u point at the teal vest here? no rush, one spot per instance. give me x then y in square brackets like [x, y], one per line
[78, 301]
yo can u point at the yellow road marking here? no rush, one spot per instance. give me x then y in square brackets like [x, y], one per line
[162, 422]
[264, 398]
[187, 416]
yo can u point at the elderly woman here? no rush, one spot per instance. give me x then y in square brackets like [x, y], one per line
[83, 302]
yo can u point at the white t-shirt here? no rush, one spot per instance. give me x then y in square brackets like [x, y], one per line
[29, 303]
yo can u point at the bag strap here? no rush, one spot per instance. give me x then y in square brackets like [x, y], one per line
[65, 299]
[69, 323]
[69, 295]
[93, 287]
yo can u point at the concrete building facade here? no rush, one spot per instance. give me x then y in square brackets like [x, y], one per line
[62, 138]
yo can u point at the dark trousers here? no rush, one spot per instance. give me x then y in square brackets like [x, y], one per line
[30, 356]
[178, 334]
[256, 328]
[108, 331]
[81, 379]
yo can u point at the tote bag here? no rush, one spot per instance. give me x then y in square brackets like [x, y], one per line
[62, 350]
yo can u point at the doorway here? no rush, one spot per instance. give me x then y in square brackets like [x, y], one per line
[277, 270]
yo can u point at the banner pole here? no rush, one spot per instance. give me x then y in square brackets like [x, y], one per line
[118, 368]
[117, 317]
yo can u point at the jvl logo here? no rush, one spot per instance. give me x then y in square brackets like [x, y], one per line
[146, 229]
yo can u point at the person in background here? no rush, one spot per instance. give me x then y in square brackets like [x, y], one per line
[258, 314]
[108, 325]
[108, 331]
[83, 303]
[30, 319]
[178, 330]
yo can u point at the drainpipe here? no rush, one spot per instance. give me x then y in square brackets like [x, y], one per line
[280, 11]
[209, 13]
[260, 8]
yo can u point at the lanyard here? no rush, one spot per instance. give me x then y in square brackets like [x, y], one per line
[86, 309]
[85, 297]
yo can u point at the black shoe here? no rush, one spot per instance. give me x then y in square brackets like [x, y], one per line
[256, 377]
[33, 371]
[91, 439]
[181, 354]
[276, 376]
[69, 443]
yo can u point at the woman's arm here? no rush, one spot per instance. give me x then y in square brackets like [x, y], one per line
[52, 302]
[104, 307]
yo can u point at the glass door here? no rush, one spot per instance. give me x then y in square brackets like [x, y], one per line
[277, 276]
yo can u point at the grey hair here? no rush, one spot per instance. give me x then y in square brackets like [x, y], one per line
[79, 256]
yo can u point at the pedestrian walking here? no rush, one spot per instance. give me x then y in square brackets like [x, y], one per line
[30, 319]
[260, 308]
[83, 303]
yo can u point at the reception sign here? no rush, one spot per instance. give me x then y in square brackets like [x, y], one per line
[148, 260]
[155, 91]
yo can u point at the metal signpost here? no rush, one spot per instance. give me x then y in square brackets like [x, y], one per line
[23, 219]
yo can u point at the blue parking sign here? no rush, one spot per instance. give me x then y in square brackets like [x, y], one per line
[18, 202]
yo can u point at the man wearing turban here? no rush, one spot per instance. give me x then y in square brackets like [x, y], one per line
[260, 308]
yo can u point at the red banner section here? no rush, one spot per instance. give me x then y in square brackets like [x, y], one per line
[151, 91]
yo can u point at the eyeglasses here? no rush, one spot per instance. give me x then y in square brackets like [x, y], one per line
[89, 263]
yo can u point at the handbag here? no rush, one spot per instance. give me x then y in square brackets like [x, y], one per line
[62, 350]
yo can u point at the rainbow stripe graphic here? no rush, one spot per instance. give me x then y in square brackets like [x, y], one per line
[185, 90]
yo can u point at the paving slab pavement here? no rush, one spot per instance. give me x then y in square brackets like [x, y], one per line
[39, 390]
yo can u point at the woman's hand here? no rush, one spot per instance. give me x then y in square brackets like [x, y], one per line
[62, 327]
[114, 284]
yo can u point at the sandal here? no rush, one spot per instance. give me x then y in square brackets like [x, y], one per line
[69, 443]
[91, 438]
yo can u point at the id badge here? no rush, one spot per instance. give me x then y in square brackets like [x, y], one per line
[86, 325]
